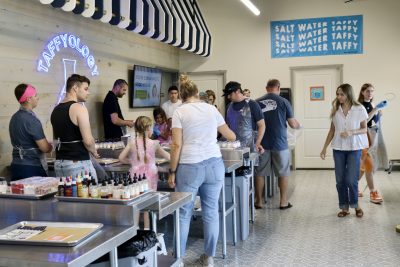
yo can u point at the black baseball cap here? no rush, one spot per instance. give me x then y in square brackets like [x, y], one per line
[231, 87]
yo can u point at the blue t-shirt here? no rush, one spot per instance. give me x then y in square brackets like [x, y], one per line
[277, 110]
[25, 129]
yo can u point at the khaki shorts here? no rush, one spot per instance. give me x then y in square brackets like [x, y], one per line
[279, 160]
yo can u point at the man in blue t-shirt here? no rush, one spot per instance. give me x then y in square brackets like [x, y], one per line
[277, 111]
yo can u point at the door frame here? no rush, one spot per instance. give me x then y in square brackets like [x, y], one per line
[339, 67]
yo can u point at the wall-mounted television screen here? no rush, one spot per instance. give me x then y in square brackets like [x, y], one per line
[146, 87]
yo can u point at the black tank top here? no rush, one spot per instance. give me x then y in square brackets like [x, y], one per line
[368, 107]
[66, 131]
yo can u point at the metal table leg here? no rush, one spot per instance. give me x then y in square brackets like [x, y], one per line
[177, 234]
[114, 257]
[252, 212]
[234, 207]
[223, 221]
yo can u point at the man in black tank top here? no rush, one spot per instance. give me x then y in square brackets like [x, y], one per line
[71, 130]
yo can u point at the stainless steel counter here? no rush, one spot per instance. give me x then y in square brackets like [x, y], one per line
[231, 165]
[103, 242]
[174, 201]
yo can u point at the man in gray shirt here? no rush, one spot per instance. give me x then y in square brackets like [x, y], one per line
[277, 111]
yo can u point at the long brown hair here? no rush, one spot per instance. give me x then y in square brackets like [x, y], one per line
[348, 91]
[364, 87]
[142, 123]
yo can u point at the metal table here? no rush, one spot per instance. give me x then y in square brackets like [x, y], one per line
[169, 205]
[230, 167]
[106, 241]
[253, 157]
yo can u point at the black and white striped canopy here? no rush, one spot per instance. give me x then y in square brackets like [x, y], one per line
[175, 22]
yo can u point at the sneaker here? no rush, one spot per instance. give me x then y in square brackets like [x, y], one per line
[206, 261]
[374, 197]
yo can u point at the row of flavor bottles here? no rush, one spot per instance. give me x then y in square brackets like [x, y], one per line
[126, 187]
[82, 185]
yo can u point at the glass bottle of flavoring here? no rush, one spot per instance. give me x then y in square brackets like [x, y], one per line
[145, 182]
[94, 190]
[79, 185]
[126, 193]
[74, 188]
[110, 188]
[85, 188]
[116, 191]
[68, 188]
[140, 184]
[135, 186]
[104, 189]
[61, 189]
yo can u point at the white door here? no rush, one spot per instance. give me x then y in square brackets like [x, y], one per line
[314, 89]
[211, 81]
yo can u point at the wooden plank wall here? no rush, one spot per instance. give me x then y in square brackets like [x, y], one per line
[25, 28]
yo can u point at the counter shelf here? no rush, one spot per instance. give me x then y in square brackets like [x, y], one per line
[28, 196]
[64, 234]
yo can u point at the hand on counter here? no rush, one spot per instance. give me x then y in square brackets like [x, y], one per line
[171, 180]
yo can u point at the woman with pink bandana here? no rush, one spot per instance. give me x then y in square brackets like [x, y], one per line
[27, 137]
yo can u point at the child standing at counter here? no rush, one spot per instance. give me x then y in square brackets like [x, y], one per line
[141, 154]
[161, 132]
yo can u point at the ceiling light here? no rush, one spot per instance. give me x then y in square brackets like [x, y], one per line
[251, 6]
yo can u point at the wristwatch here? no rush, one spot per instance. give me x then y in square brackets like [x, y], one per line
[171, 171]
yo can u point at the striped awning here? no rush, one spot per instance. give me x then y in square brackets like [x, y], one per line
[175, 22]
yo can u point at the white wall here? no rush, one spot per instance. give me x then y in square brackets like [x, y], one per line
[25, 28]
[241, 46]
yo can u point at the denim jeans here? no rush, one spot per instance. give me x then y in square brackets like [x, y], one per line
[347, 171]
[64, 167]
[204, 178]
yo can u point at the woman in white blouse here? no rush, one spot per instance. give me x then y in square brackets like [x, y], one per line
[348, 134]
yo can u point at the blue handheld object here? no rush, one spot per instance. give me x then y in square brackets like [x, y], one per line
[156, 132]
[381, 104]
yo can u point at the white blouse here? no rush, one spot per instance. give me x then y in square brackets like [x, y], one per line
[351, 121]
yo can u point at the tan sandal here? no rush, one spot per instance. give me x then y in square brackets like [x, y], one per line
[343, 213]
[359, 213]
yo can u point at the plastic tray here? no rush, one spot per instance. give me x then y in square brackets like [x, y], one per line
[66, 234]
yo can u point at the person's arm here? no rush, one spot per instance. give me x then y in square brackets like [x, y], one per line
[293, 123]
[82, 119]
[361, 130]
[44, 145]
[260, 135]
[227, 132]
[162, 153]
[176, 147]
[119, 122]
[124, 155]
[328, 140]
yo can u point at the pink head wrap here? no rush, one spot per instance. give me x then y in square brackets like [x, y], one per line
[29, 92]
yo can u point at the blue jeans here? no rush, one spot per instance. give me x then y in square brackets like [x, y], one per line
[63, 167]
[204, 178]
[347, 171]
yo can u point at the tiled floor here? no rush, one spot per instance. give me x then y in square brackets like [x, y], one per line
[310, 233]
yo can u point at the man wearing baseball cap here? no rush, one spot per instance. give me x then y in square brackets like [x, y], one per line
[244, 117]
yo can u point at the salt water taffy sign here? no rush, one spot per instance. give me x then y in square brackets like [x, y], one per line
[317, 37]
[64, 41]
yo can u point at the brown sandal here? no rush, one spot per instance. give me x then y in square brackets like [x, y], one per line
[359, 213]
[343, 213]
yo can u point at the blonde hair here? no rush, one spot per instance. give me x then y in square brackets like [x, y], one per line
[142, 123]
[187, 87]
[348, 91]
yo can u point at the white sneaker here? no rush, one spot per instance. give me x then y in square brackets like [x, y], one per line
[206, 261]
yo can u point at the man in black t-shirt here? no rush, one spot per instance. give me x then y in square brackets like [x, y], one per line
[114, 122]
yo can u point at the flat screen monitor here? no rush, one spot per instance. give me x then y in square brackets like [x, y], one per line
[146, 87]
